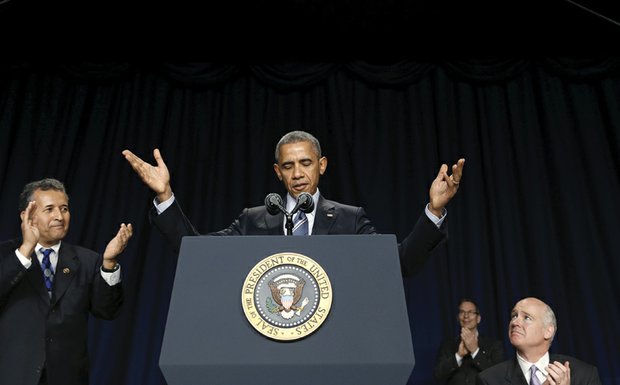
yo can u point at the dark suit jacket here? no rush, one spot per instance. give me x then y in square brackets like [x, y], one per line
[36, 331]
[331, 218]
[509, 372]
[449, 372]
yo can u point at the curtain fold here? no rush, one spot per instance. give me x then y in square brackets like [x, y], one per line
[398, 74]
[288, 76]
[299, 75]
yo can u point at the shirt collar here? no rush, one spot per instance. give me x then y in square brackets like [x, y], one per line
[56, 247]
[541, 365]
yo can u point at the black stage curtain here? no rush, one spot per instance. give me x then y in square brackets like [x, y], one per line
[536, 214]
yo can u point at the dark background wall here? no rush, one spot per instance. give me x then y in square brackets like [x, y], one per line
[536, 213]
[304, 29]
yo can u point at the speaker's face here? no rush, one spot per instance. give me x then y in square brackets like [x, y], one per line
[299, 168]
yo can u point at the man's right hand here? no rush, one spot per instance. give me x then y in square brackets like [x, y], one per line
[462, 350]
[30, 231]
[156, 177]
[469, 339]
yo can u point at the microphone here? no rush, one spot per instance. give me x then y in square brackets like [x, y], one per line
[305, 203]
[274, 204]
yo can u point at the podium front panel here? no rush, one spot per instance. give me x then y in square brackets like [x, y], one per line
[364, 340]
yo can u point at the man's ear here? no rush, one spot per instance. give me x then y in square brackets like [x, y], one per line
[322, 165]
[276, 168]
[549, 332]
[21, 215]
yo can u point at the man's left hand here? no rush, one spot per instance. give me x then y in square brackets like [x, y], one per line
[117, 245]
[445, 186]
[558, 374]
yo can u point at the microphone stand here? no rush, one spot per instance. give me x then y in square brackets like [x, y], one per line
[289, 223]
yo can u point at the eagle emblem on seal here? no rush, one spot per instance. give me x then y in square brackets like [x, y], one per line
[286, 292]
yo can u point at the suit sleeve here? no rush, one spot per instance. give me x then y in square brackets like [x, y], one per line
[445, 364]
[416, 248]
[106, 300]
[362, 223]
[173, 224]
[592, 377]
[11, 273]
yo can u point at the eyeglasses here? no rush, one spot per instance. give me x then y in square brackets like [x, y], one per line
[468, 313]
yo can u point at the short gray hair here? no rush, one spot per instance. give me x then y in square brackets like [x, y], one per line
[550, 320]
[44, 184]
[296, 137]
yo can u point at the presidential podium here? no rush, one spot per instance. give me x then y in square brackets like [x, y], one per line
[364, 340]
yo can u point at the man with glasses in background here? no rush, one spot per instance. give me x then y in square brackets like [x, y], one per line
[461, 359]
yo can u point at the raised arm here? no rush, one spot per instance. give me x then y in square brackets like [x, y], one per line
[157, 178]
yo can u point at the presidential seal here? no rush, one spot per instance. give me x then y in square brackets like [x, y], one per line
[286, 296]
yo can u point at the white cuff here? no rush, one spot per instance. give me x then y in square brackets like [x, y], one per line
[473, 355]
[162, 206]
[433, 217]
[459, 359]
[112, 278]
[25, 261]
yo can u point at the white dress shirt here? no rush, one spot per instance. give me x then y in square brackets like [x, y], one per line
[541, 365]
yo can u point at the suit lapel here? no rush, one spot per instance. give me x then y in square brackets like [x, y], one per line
[514, 375]
[324, 218]
[35, 276]
[66, 270]
[275, 224]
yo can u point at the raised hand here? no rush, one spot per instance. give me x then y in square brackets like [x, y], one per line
[117, 245]
[445, 186]
[469, 339]
[462, 351]
[558, 373]
[30, 231]
[156, 177]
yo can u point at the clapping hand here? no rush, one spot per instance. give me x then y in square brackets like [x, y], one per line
[117, 245]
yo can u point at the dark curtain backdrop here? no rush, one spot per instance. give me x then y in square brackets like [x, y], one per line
[536, 214]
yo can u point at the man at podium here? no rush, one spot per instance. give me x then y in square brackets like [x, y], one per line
[299, 165]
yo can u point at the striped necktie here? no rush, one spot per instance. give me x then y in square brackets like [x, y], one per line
[48, 272]
[534, 379]
[300, 224]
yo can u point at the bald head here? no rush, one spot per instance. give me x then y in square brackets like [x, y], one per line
[532, 328]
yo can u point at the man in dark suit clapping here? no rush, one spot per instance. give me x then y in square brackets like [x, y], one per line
[48, 288]
[460, 359]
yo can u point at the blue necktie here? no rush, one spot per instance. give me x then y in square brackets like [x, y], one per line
[534, 380]
[46, 267]
[300, 224]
